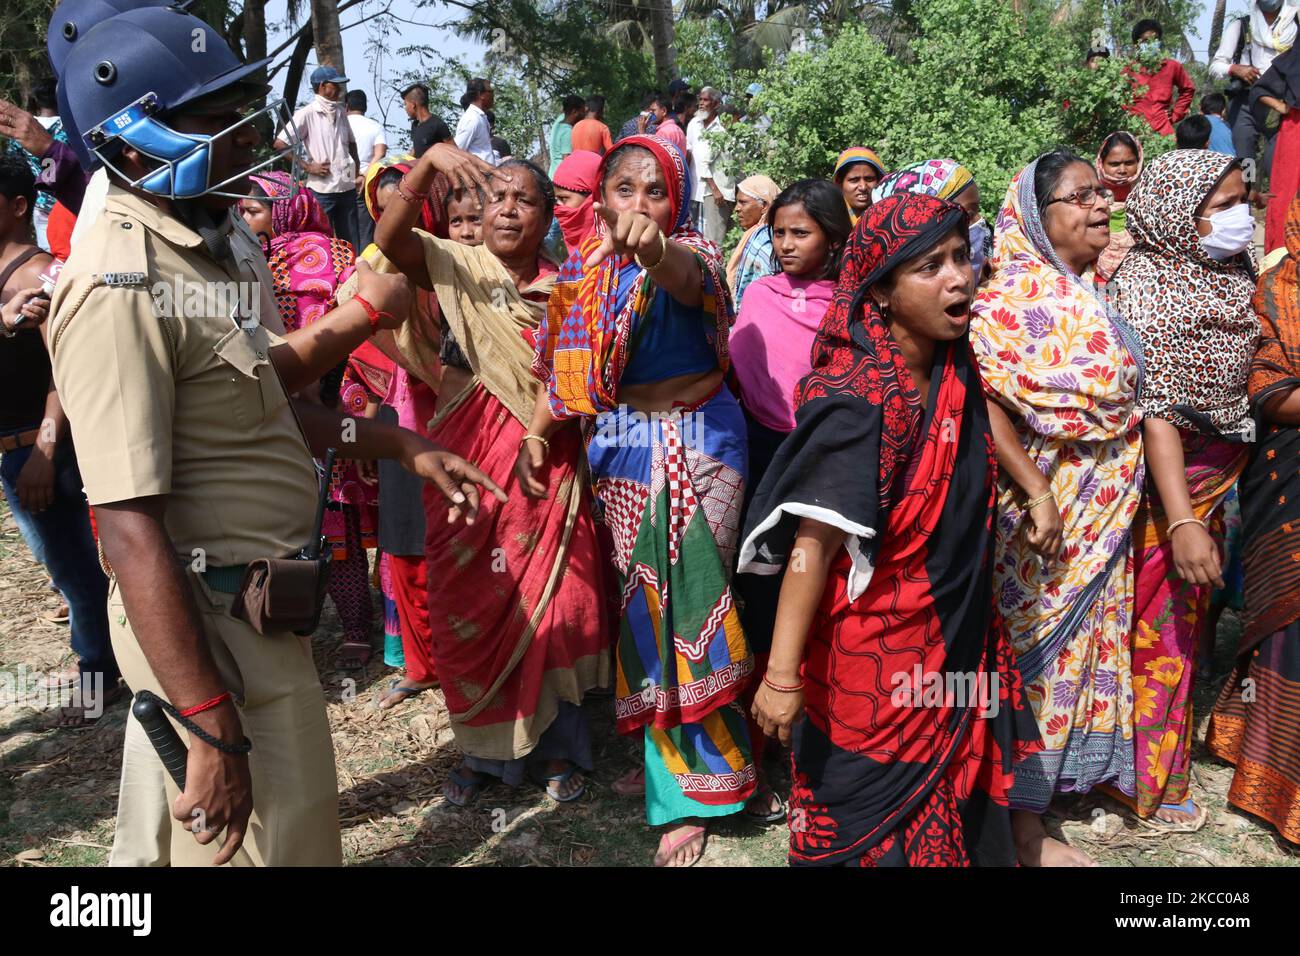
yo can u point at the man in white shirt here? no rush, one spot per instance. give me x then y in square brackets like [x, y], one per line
[1249, 45]
[710, 101]
[473, 131]
[717, 189]
[332, 163]
[371, 147]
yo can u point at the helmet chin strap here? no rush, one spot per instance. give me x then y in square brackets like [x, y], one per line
[213, 228]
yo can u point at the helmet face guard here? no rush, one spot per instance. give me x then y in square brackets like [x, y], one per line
[185, 158]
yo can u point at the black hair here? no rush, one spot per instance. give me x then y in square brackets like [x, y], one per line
[1146, 26]
[390, 175]
[417, 93]
[1048, 173]
[1213, 103]
[17, 179]
[491, 117]
[595, 103]
[473, 90]
[572, 102]
[456, 193]
[258, 192]
[355, 100]
[614, 160]
[825, 204]
[1097, 51]
[1193, 132]
[45, 95]
[544, 184]
[1120, 138]
[684, 101]
[501, 146]
[650, 98]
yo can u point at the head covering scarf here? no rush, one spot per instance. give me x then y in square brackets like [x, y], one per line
[433, 211]
[1192, 312]
[307, 262]
[577, 173]
[854, 155]
[867, 769]
[752, 257]
[1121, 241]
[583, 343]
[944, 178]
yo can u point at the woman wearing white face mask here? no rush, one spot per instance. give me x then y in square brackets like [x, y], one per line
[1186, 288]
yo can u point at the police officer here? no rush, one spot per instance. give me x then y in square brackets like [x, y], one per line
[190, 452]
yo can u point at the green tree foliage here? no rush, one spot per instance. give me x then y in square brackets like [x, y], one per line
[979, 83]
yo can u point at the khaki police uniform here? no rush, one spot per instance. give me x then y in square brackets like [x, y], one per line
[167, 395]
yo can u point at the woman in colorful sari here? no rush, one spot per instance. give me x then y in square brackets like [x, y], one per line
[1062, 374]
[752, 258]
[1186, 288]
[635, 345]
[308, 264]
[890, 670]
[1118, 166]
[857, 171]
[950, 180]
[1256, 722]
[514, 602]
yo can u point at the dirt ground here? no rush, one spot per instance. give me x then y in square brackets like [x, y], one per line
[58, 788]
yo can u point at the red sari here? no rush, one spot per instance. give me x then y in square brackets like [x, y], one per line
[914, 710]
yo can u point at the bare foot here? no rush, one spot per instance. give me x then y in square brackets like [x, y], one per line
[1035, 848]
[681, 845]
[397, 692]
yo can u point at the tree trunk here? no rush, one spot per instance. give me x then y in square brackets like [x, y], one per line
[1216, 26]
[664, 38]
[329, 37]
[297, 63]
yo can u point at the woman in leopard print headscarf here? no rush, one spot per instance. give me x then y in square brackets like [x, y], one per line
[1186, 289]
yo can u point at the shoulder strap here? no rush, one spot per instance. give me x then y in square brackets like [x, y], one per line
[1243, 36]
[7, 273]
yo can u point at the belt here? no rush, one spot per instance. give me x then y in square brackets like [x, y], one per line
[227, 580]
[19, 439]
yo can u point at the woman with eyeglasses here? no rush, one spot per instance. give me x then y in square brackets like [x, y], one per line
[1062, 374]
[1186, 288]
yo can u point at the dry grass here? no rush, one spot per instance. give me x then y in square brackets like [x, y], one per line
[58, 789]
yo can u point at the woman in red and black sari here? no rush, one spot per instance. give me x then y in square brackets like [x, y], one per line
[889, 669]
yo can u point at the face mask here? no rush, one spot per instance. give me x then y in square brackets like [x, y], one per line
[1230, 232]
[979, 243]
[1149, 49]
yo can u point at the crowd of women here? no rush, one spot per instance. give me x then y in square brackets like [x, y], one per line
[880, 445]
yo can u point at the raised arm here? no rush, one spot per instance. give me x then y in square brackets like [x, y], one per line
[673, 266]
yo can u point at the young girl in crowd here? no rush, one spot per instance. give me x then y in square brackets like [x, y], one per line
[771, 349]
[878, 509]
[1186, 288]
[1118, 166]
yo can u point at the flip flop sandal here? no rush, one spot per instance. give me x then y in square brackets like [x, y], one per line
[691, 833]
[553, 782]
[401, 693]
[467, 781]
[631, 784]
[111, 697]
[1184, 826]
[770, 816]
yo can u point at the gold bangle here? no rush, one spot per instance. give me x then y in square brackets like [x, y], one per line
[1180, 522]
[663, 254]
[545, 443]
[1033, 503]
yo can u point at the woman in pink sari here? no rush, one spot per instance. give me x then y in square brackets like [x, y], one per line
[308, 264]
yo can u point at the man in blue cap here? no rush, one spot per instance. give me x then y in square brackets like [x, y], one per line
[332, 163]
[177, 379]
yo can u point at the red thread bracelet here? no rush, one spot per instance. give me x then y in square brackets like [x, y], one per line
[372, 313]
[781, 687]
[206, 705]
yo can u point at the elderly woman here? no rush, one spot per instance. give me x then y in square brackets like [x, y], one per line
[877, 512]
[635, 344]
[1256, 721]
[515, 603]
[1062, 374]
[857, 171]
[1186, 288]
[752, 258]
